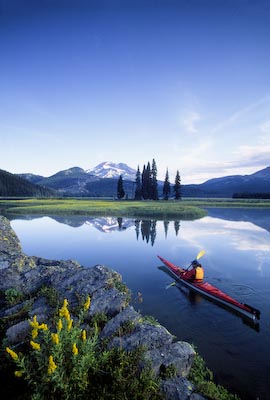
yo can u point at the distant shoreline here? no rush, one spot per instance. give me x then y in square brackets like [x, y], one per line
[186, 209]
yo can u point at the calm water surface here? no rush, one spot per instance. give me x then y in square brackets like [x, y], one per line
[237, 244]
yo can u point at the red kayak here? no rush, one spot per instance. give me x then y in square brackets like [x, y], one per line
[211, 292]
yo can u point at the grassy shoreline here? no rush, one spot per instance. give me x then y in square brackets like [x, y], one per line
[150, 209]
[185, 210]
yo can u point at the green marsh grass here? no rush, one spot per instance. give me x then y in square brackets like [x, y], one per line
[143, 209]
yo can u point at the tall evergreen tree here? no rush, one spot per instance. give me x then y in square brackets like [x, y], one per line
[120, 188]
[149, 181]
[138, 190]
[146, 182]
[154, 194]
[177, 187]
[166, 186]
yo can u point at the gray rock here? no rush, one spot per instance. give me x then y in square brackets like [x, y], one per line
[108, 301]
[9, 242]
[196, 396]
[177, 389]
[178, 354]
[41, 309]
[145, 334]
[85, 280]
[12, 310]
[18, 333]
[127, 315]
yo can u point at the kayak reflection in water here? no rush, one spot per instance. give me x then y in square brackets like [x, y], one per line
[196, 274]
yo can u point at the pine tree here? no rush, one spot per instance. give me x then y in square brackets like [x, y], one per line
[146, 182]
[149, 180]
[138, 190]
[154, 194]
[166, 186]
[120, 189]
[177, 187]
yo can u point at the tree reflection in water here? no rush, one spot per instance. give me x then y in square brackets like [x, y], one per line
[146, 228]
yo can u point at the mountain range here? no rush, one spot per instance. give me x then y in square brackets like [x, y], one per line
[234, 185]
[101, 181]
[15, 186]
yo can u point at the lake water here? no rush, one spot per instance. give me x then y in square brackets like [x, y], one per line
[237, 244]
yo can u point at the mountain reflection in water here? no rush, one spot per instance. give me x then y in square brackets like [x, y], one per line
[146, 229]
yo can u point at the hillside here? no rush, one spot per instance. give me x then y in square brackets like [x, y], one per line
[227, 186]
[13, 185]
[101, 181]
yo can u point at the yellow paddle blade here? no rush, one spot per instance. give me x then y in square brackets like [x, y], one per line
[201, 253]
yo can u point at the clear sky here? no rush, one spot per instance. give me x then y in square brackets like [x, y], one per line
[186, 82]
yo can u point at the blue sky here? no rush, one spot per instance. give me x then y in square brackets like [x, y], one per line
[186, 82]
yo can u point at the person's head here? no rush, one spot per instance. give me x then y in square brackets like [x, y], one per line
[195, 264]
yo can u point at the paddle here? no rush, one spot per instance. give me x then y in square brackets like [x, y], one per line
[199, 255]
[170, 285]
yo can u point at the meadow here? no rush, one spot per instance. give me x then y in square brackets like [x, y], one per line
[192, 208]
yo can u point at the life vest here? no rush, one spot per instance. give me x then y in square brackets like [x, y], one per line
[199, 274]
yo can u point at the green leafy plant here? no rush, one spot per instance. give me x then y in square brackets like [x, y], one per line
[58, 361]
[13, 296]
[51, 295]
[67, 361]
[167, 372]
[202, 378]
[151, 320]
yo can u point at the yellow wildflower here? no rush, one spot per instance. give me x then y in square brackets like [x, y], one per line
[87, 304]
[12, 354]
[55, 338]
[75, 349]
[44, 327]
[84, 335]
[52, 366]
[67, 315]
[36, 346]
[34, 323]
[70, 324]
[59, 325]
[65, 303]
[34, 333]
[63, 312]
[18, 374]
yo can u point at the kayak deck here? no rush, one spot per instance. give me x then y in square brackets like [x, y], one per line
[212, 292]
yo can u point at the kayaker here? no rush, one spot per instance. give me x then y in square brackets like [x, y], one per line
[196, 274]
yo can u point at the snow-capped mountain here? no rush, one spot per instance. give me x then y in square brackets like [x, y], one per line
[101, 181]
[108, 169]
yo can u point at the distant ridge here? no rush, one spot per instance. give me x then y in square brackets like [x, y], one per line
[227, 186]
[101, 181]
[13, 185]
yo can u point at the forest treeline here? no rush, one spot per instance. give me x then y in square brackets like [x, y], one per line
[13, 185]
[147, 186]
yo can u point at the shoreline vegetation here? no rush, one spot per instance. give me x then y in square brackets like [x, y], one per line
[192, 208]
[69, 332]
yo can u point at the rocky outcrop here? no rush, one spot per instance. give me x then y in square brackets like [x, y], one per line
[28, 274]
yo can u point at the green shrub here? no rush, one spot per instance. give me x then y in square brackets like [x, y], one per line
[202, 378]
[67, 362]
[51, 295]
[13, 296]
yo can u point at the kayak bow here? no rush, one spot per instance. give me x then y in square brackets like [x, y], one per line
[211, 292]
